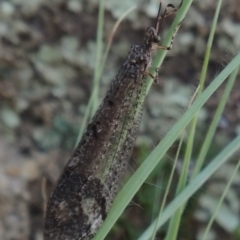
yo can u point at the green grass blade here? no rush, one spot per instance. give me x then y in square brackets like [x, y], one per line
[98, 69]
[93, 101]
[99, 51]
[203, 74]
[156, 63]
[168, 187]
[140, 176]
[172, 172]
[212, 129]
[194, 185]
[109, 44]
[220, 201]
[181, 13]
[209, 46]
[85, 117]
[175, 221]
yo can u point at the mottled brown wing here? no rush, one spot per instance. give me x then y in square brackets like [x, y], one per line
[88, 185]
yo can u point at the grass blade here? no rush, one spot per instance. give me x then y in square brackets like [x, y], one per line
[195, 184]
[135, 182]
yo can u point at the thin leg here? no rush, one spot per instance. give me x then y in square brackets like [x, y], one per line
[155, 78]
[149, 74]
[172, 40]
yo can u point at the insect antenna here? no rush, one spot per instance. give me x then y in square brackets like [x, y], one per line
[160, 17]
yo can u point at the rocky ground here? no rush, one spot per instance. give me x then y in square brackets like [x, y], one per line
[47, 57]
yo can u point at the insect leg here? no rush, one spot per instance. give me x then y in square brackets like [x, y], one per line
[155, 78]
[171, 44]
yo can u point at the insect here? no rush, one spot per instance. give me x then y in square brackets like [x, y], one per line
[90, 180]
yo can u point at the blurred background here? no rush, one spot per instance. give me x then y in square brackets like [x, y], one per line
[47, 58]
